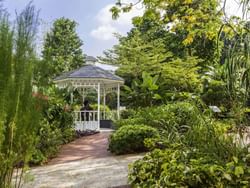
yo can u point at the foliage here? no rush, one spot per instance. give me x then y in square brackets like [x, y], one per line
[18, 108]
[196, 23]
[62, 49]
[184, 167]
[151, 68]
[192, 36]
[143, 93]
[203, 155]
[55, 129]
[170, 118]
[57, 110]
[127, 113]
[184, 122]
[137, 55]
[215, 93]
[237, 64]
[95, 107]
[130, 139]
[50, 139]
[181, 75]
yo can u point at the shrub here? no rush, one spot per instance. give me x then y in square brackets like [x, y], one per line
[183, 167]
[129, 121]
[215, 93]
[130, 139]
[55, 129]
[49, 140]
[125, 114]
[167, 118]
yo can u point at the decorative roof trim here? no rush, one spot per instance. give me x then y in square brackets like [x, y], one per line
[98, 73]
[86, 79]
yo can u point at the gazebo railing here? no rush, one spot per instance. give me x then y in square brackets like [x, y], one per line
[91, 115]
[86, 120]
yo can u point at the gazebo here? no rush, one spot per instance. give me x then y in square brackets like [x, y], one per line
[102, 81]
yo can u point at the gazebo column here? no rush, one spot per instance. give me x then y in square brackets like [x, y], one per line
[104, 104]
[71, 97]
[83, 95]
[71, 91]
[118, 101]
[98, 103]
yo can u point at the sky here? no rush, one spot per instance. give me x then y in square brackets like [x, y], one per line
[95, 24]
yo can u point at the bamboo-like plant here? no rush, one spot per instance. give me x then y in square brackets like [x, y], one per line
[237, 56]
[18, 113]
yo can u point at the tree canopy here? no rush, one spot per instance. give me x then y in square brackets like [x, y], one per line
[62, 47]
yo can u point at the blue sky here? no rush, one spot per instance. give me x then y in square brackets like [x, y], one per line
[96, 26]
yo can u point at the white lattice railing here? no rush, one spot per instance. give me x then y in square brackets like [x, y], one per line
[86, 115]
[86, 120]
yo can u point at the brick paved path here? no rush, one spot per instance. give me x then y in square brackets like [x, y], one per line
[84, 163]
[88, 147]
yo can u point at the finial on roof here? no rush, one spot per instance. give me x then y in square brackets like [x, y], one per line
[90, 60]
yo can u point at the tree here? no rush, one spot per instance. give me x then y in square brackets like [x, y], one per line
[18, 108]
[136, 55]
[62, 49]
[196, 23]
[182, 75]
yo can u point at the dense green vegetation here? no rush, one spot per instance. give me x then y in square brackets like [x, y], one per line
[130, 139]
[61, 52]
[19, 112]
[35, 118]
[179, 58]
[55, 127]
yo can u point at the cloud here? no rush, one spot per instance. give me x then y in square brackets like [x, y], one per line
[104, 32]
[107, 26]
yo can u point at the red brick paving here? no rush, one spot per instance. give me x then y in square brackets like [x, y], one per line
[88, 147]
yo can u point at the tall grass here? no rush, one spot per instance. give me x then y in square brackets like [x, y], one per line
[18, 113]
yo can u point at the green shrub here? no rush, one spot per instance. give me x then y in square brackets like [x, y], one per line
[49, 140]
[55, 129]
[37, 158]
[68, 135]
[125, 114]
[95, 107]
[183, 167]
[130, 139]
[215, 93]
[169, 118]
[129, 121]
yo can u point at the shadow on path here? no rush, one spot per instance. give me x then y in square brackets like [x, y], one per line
[88, 147]
[83, 163]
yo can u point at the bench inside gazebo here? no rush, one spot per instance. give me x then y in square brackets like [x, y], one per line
[102, 81]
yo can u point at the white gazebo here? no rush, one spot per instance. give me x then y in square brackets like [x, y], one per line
[102, 81]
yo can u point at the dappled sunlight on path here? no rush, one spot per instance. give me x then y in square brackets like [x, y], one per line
[84, 163]
[88, 147]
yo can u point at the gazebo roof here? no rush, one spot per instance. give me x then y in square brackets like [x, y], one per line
[89, 72]
[90, 58]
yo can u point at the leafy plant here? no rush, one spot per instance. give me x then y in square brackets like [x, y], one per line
[130, 139]
[56, 127]
[143, 93]
[215, 93]
[171, 118]
[179, 166]
[18, 108]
